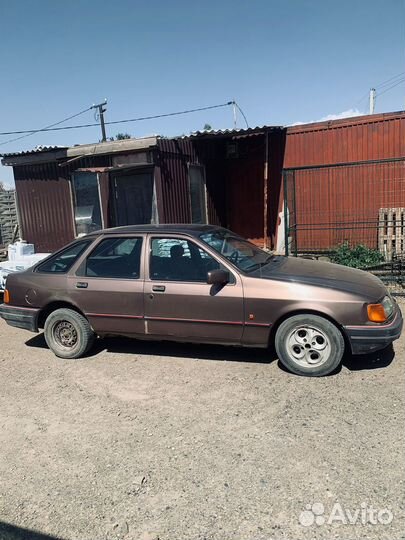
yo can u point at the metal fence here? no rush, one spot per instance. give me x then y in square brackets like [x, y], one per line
[353, 213]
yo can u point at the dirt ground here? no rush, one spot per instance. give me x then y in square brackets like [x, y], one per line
[152, 440]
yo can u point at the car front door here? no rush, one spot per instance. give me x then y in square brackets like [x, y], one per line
[179, 303]
[108, 285]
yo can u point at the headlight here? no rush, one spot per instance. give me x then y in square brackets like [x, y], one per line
[388, 306]
[380, 312]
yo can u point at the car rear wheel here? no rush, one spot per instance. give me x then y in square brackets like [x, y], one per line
[68, 334]
[309, 345]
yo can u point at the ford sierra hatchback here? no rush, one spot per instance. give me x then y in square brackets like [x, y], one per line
[201, 284]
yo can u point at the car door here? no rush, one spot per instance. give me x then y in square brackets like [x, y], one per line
[108, 285]
[179, 303]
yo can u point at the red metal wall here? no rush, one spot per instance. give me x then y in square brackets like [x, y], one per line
[377, 136]
[45, 208]
[244, 176]
[334, 205]
[342, 204]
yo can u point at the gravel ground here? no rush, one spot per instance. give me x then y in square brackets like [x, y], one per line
[152, 440]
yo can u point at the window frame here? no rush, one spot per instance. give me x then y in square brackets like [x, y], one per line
[202, 168]
[148, 256]
[73, 202]
[81, 271]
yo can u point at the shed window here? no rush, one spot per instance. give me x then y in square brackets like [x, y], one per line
[86, 200]
[198, 198]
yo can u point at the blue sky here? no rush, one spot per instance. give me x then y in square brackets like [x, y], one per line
[284, 61]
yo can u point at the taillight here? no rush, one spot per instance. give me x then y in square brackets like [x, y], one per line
[6, 297]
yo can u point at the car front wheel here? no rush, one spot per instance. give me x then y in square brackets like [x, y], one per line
[309, 345]
[68, 334]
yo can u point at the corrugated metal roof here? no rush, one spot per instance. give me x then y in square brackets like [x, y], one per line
[38, 149]
[232, 132]
[110, 147]
[53, 153]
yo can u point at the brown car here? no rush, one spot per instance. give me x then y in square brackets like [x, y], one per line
[204, 284]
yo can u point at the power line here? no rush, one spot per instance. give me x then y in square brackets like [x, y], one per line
[400, 81]
[47, 128]
[381, 85]
[385, 83]
[171, 114]
[126, 120]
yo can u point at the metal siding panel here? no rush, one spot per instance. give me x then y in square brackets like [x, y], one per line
[45, 212]
[173, 157]
[334, 205]
[355, 139]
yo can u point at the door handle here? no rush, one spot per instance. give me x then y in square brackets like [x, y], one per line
[82, 285]
[158, 288]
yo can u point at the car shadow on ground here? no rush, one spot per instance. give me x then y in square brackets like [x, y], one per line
[375, 360]
[12, 532]
[122, 345]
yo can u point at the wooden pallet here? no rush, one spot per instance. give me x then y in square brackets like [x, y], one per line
[391, 232]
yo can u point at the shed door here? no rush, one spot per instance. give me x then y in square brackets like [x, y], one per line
[134, 202]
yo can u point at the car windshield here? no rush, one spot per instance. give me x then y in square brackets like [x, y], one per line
[243, 254]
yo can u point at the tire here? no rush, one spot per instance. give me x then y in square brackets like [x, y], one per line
[68, 334]
[309, 345]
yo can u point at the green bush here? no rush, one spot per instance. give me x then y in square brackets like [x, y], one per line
[359, 256]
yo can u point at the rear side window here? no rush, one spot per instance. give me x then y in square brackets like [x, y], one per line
[63, 261]
[118, 258]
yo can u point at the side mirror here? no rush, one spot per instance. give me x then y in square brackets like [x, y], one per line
[218, 277]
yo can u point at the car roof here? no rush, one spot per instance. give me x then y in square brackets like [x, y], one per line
[182, 228]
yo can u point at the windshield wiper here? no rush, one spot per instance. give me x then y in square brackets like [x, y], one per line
[256, 266]
[266, 261]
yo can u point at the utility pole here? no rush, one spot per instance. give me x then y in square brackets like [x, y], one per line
[372, 101]
[101, 110]
[234, 113]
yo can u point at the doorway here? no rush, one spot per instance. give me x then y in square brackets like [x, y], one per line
[134, 200]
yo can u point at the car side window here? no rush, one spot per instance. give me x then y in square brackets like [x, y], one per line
[63, 261]
[174, 259]
[118, 258]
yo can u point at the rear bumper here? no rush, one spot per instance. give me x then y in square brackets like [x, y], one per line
[365, 339]
[26, 318]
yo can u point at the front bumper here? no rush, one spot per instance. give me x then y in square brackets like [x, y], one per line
[368, 338]
[20, 317]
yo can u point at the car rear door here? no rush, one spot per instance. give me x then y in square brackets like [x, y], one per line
[179, 304]
[108, 285]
